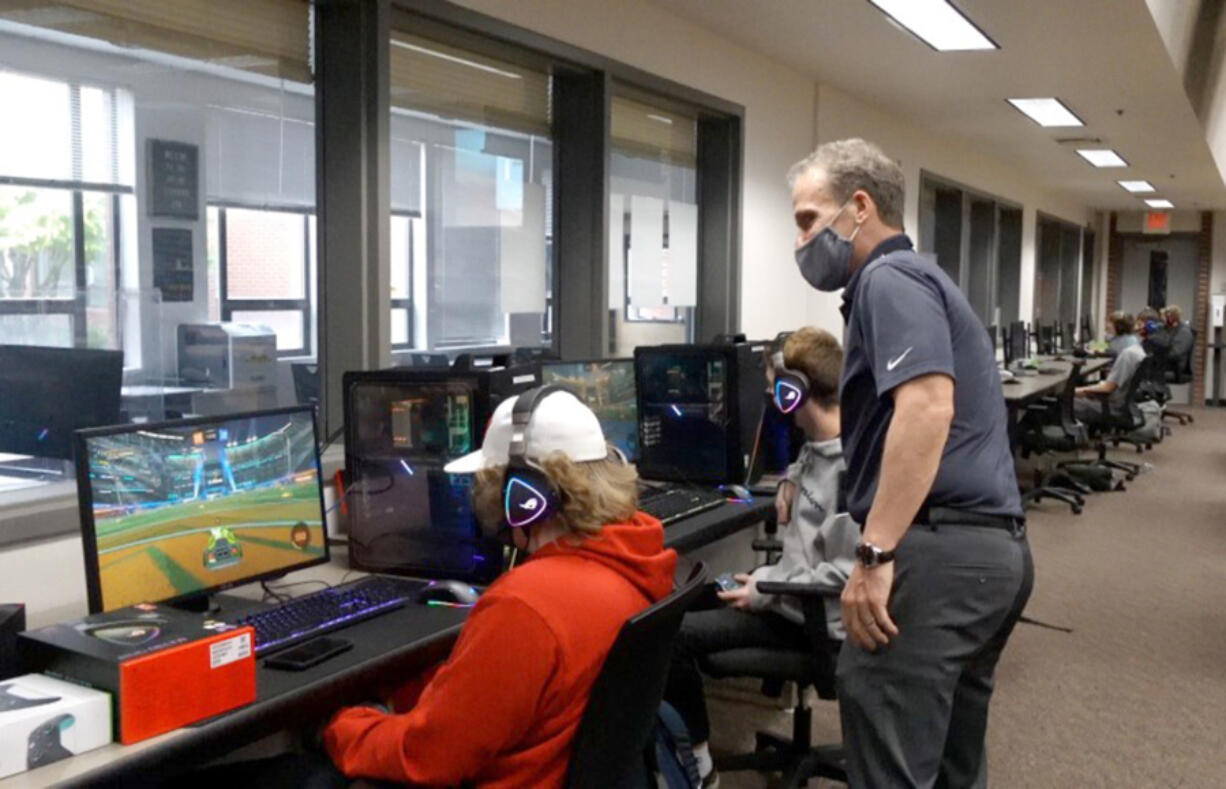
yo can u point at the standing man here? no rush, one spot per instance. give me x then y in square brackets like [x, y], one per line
[943, 568]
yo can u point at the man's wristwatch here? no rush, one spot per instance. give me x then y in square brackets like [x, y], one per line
[870, 555]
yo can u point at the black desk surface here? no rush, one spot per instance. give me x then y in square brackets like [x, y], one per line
[395, 645]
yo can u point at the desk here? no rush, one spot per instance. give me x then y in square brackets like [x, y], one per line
[1029, 388]
[397, 644]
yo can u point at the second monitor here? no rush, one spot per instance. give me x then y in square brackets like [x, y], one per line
[607, 387]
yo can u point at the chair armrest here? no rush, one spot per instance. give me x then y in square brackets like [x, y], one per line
[767, 546]
[799, 590]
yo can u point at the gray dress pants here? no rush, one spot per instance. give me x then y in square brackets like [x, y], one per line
[915, 712]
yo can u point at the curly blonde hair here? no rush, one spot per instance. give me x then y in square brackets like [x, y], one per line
[593, 493]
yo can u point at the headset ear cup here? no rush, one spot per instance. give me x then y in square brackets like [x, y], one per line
[528, 497]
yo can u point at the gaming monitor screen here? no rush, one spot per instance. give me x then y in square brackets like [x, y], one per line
[607, 387]
[684, 414]
[186, 508]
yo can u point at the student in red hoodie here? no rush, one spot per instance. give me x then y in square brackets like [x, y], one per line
[504, 708]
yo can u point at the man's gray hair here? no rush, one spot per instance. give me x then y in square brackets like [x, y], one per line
[857, 164]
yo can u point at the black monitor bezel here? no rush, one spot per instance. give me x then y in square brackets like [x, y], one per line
[89, 536]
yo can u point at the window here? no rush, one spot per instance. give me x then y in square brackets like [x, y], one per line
[471, 187]
[975, 239]
[101, 247]
[1057, 272]
[653, 221]
[62, 194]
[265, 267]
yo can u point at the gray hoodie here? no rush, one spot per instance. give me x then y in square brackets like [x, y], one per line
[819, 545]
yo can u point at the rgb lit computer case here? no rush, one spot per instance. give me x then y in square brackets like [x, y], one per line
[402, 426]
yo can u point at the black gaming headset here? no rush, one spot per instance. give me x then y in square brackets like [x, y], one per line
[791, 386]
[528, 495]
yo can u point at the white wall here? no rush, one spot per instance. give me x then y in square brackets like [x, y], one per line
[839, 116]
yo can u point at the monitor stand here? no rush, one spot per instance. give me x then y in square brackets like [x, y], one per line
[220, 606]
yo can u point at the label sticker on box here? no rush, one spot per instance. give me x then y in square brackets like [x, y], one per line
[223, 653]
[523, 379]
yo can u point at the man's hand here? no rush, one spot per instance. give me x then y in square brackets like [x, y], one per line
[739, 598]
[784, 498]
[865, 618]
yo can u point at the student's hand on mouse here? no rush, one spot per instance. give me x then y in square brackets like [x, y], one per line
[865, 617]
[739, 598]
[784, 498]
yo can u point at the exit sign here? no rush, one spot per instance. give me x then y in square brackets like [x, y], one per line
[1157, 222]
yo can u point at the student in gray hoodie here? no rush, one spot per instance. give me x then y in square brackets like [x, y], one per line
[819, 542]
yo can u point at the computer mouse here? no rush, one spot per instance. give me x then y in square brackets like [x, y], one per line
[737, 492]
[456, 592]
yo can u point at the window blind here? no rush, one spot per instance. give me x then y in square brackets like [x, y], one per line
[264, 36]
[456, 84]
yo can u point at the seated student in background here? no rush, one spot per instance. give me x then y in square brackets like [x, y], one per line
[1180, 334]
[1120, 328]
[819, 545]
[1088, 405]
[504, 708]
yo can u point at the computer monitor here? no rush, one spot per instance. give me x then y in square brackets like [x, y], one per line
[1019, 341]
[1046, 339]
[1087, 332]
[992, 335]
[402, 426]
[418, 359]
[776, 446]
[699, 409]
[180, 510]
[47, 393]
[607, 386]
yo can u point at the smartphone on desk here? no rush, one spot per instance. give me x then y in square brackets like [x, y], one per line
[309, 654]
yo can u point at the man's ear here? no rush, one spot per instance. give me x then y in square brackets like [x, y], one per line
[864, 206]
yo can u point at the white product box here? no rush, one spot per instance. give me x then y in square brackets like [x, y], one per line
[43, 720]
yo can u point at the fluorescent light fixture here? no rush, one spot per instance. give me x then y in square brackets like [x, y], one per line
[1102, 157]
[937, 23]
[453, 59]
[1159, 204]
[1046, 112]
[661, 119]
[1137, 187]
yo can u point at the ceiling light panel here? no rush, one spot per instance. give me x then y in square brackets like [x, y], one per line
[936, 23]
[1159, 204]
[1137, 187]
[1102, 157]
[1046, 112]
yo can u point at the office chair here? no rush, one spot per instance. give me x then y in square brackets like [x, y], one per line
[1050, 427]
[1178, 372]
[794, 756]
[1117, 427]
[613, 745]
[1046, 340]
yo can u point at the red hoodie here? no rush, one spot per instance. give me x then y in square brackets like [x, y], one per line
[503, 709]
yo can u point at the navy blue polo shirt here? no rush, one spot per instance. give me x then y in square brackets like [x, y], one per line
[906, 318]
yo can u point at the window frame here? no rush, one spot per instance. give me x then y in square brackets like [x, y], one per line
[302, 306]
[408, 304]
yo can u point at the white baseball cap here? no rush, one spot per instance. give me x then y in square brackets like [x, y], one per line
[560, 423]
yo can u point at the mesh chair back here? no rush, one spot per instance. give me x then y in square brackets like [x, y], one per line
[617, 726]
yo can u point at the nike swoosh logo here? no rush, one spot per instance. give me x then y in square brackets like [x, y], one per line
[890, 365]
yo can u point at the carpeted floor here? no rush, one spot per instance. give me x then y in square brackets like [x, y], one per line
[1136, 695]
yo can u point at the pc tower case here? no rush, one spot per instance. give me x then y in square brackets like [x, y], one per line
[699, 408]
[402, 426]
